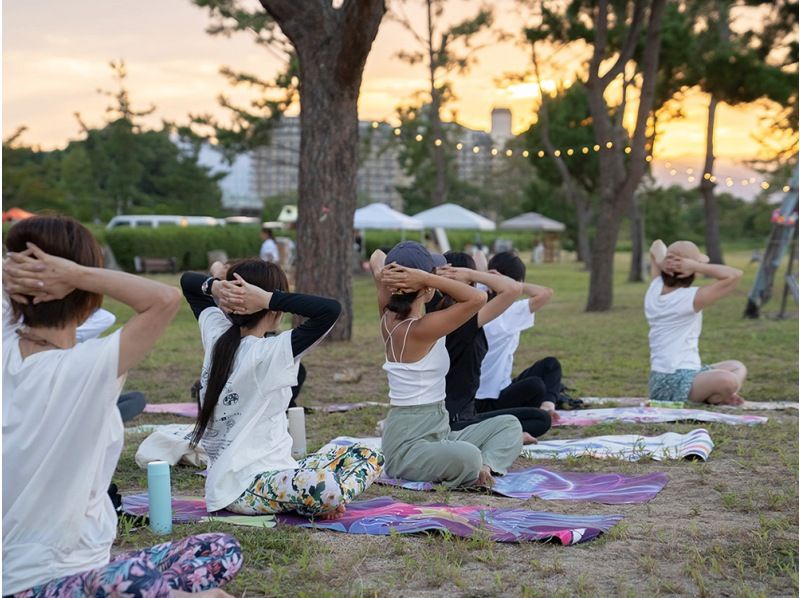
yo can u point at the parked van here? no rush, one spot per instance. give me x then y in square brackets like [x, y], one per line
[158, 220]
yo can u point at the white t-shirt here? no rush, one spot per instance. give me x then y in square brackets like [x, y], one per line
[674, 328]
[95, 325]
[248, 433]
[269, 251]
[62, 438]
[502, 335]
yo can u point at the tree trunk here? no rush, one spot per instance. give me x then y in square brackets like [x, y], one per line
[713, 244]
[583, 213]
[332, 46]
[439, 163]
[637, 241]
[601, 281]
[619, 178]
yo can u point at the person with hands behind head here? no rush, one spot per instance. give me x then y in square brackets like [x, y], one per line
[418, 443]
[467, 346]
[246, 380]
[62, 431]
[674, 311]
[539, 385]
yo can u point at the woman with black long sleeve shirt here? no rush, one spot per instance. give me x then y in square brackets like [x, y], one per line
[245, 389]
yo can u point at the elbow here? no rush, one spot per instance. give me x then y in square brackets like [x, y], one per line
[547, 294]
[517, 289]
[479, 299]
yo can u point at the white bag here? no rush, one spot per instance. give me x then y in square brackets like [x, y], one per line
[171, 444]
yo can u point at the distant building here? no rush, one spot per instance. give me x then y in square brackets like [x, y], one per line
[272, 170]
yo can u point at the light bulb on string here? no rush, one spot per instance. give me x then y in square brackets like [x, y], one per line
[509, 152]
[540, 153]
[418, 137]
[476, 150]
[437, 143]
[459, 146]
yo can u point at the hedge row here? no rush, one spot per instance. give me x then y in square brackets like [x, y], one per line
[190, 246]
[380, 239]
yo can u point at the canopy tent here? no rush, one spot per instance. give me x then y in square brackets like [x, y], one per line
[381, 216]
[288, 214]
[450, 215]
[534, 222]
[14, 214]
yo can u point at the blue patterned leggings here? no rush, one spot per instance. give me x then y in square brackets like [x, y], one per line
[193, 564]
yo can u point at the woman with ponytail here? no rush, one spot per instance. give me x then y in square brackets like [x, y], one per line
[246, 380]
[417, 440]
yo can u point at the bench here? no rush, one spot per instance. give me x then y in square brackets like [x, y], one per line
[155, 265]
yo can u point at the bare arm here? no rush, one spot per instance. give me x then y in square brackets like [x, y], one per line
[538, 296]
[506, 290]
[376, 263]
[433, 326]
[658, 252]
[727, 279]
[155, 303]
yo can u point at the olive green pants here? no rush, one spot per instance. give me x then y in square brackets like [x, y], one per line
[419, 445]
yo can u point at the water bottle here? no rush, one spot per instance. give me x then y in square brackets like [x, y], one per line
[297, 430]
[159, 494]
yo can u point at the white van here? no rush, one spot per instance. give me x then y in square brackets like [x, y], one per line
[157, 220]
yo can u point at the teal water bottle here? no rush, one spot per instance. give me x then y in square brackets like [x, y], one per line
[159, 493]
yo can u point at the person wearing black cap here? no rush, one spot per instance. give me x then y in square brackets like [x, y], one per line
[418, 443]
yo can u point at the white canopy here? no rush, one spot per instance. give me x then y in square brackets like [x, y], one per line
[450, 215]
[532, 221]
[381, 216]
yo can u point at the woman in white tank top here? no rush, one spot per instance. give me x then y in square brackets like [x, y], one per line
[417, 441]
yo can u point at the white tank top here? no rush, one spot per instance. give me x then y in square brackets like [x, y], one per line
[420, 382]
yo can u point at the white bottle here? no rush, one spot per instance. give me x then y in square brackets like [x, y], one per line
[297, 430]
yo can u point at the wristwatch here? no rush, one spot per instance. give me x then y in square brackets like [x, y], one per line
[205, 288]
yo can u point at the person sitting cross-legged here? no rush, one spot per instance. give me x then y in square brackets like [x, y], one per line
[674, 311]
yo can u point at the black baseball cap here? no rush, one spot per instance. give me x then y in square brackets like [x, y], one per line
[414, 255]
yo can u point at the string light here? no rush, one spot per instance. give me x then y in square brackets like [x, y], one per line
[541, 153]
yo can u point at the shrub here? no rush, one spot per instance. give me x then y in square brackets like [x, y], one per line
[190, 245]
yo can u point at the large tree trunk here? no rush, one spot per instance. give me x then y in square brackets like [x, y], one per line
[332, 46]
[439, 163]
[713, 244]
[619, 178]
[637, 241]
[583, 213]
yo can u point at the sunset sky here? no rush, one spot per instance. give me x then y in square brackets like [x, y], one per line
[56, 54]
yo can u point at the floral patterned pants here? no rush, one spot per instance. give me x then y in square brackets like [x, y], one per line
[193, 564]
[321, 483]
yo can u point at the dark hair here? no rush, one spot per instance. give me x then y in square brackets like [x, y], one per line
[266, 275]
[268, 232]
[63, 237]
[508, 264]
[670, 280]
[459, 259]
[400, 303]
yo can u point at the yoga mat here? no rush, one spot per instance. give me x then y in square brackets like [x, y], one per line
[192, 509]
[607, 488]
[182, 409]
[342, 407]
[697, 444]
[652, 415]
[746, 406]
[384, 516]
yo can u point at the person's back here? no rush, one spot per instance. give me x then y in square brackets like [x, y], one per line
[70, 453]
[675, 327]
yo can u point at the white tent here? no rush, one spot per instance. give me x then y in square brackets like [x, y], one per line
[381, 216]
[532, 221]
[452, 216]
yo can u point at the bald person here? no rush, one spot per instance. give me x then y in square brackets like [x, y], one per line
[674, 311]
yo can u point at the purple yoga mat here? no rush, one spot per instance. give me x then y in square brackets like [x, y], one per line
[381, 516]
[182, 409]
[607, 488]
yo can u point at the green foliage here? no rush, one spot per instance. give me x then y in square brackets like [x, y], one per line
[118, 168]
[189, 245]
[676, 213]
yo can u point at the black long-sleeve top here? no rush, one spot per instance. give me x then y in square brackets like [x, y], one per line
[321, 312]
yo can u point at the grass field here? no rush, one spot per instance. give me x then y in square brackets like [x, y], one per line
[728, 527]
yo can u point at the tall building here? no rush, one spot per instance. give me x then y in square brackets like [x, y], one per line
[501, 126]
